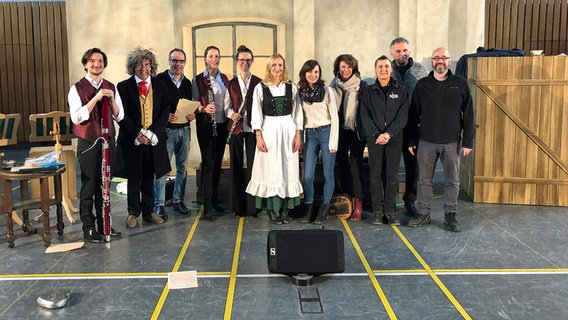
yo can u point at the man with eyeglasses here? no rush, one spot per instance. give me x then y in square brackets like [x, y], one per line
[442, 107]
[179, 136]
[238, 105]
[407, 72]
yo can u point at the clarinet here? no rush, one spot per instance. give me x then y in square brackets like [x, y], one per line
[211, 100]
[240, 112]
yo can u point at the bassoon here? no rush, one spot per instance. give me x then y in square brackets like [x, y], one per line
[211, 100]
[105, 123]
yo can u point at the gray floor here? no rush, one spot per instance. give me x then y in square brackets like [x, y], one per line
[509, 262]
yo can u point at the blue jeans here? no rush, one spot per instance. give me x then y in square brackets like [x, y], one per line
[428, 155]
[178, 144]
[318, 140]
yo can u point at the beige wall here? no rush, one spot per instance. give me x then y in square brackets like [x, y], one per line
[320, 29]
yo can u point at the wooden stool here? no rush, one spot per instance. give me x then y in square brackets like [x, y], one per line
[44, 203]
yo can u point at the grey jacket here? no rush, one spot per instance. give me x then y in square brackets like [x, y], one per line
[416, 72]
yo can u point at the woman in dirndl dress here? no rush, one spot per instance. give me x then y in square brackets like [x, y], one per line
[277, 120]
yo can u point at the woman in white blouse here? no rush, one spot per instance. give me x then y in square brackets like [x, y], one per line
[321, 132]
[277, 121]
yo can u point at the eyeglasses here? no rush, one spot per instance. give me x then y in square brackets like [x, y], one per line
[177, 61]
[440, 58]
[245, 60]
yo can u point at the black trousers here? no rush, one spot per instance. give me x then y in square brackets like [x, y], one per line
[384, 161]
[239, 201]
[91, 181]
[90, 163]
[411, 175]
[349, 159]
[212, 149]
[140, 187]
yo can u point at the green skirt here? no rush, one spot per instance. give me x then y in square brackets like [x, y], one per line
[276, 203]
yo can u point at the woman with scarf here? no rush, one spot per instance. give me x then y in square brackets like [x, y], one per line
[346, 87]
[384, 112]
[321, 130]
[277, 120]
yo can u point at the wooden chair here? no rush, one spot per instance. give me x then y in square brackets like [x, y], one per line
[9, 124]
[42, 126]
[57, 126]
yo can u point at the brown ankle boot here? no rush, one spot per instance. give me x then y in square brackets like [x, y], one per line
[357, 210]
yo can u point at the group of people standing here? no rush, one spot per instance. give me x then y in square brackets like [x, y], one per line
[268, 121]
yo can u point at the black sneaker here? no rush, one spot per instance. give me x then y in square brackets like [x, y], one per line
[391, 219]
[113, 232]
[273, 216]
[451, 221]
[378, 219]
[161, 212]
[181, 208]
[92, 235]
[284, 216]
[419, 221]
[410, 209]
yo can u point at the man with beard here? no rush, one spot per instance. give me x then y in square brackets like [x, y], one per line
[442, 106]
[407, 72]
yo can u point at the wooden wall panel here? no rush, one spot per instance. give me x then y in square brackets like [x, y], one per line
[527, 25]
[34, 69]
[520, 150]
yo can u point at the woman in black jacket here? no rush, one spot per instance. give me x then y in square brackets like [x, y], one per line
[384, 112]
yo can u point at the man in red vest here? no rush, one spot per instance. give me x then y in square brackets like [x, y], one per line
[238, 106]
[86, 99]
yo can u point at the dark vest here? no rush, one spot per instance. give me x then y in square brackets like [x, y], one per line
[90, 129]
[268, 104]
[203, 87]
[237, 100]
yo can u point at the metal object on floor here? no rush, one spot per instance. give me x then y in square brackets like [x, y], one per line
[310, 301]
[303, 279]
[54, 299]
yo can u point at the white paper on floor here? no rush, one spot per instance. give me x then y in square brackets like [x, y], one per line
[64, 247]
[182, 280]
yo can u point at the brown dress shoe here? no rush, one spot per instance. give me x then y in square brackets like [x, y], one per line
[131, 221]
[153, 218]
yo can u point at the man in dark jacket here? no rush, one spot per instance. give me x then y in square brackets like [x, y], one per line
[179, 135]
[442, 106]
[407, 72]
[141, 143]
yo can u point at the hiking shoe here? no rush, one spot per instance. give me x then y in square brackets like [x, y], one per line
[419, 221]
[451, 221]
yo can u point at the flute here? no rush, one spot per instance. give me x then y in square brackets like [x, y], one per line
[240, 112]
[211, 100]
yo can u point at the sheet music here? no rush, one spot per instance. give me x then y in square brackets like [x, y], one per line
[183, 108]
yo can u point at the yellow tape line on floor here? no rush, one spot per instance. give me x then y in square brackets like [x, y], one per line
[234, 267]
[177, 264]
[369, 271]
[433, 275]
